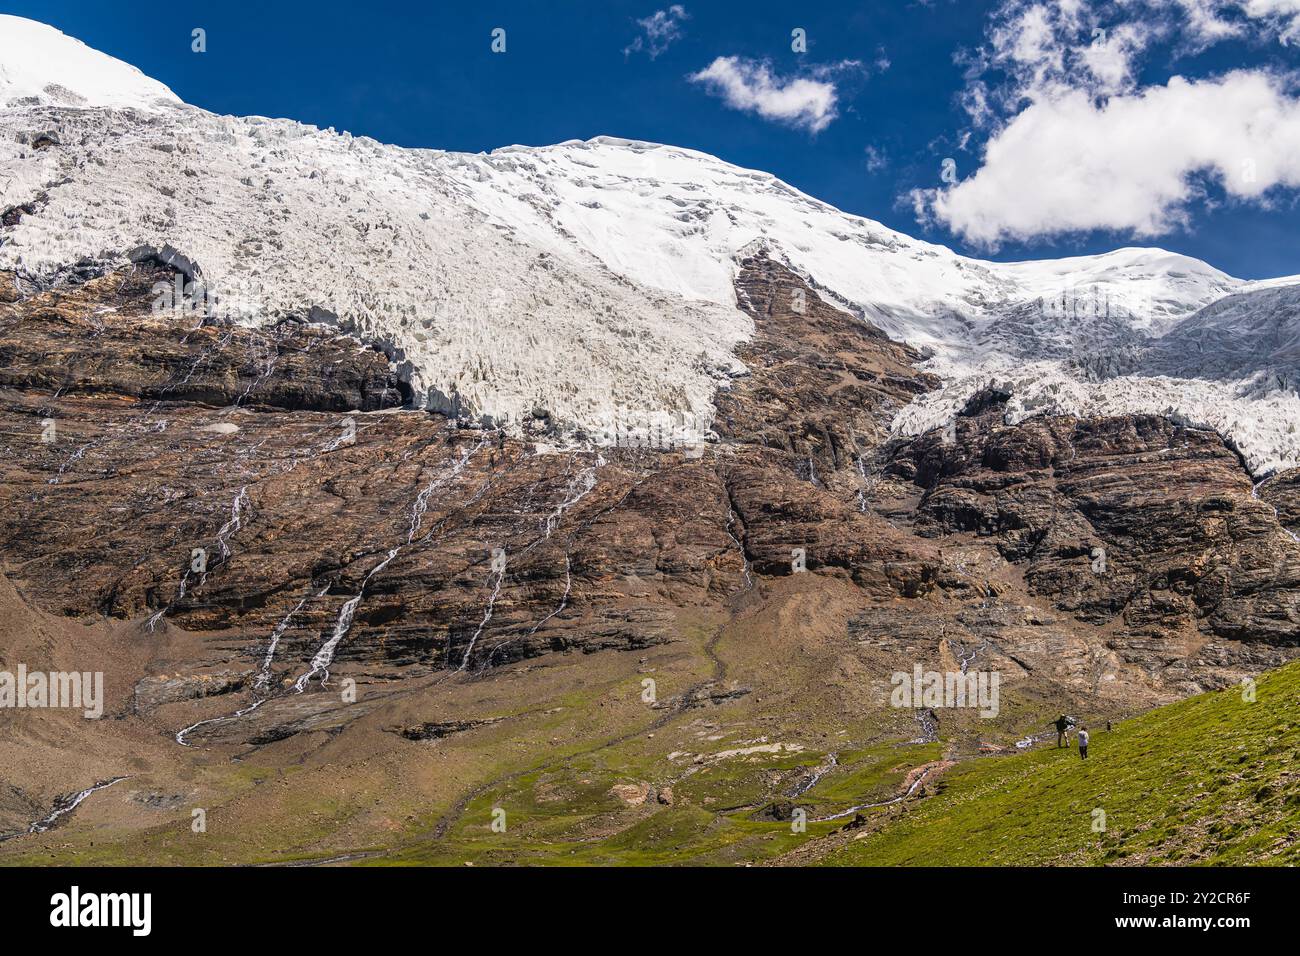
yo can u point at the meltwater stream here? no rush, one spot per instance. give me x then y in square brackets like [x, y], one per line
[580, 485]
[884, 803]
[324, 656]
[232, 524]
[262, 681]
[1254, 493]
[419, 506]
[64, 806]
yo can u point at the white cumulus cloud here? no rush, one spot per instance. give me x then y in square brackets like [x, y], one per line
[1129, 164]
[806, 102]
[1075, 141]
[1213, 20]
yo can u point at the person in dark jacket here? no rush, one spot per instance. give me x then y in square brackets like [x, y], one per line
[1062, 725]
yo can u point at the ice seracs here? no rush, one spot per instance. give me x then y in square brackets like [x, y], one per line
[590, 283]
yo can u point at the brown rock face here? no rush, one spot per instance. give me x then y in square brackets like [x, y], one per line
[262, 492]
[1137, 525]
[131, 336]
[823, 385]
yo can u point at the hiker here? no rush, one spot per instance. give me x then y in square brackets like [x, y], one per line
[1083, 743]
[1062, 725]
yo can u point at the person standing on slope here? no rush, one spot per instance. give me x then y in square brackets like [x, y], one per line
[1083, 743]
[1062, 725]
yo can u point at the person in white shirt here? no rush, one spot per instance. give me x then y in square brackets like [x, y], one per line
[1083, 742]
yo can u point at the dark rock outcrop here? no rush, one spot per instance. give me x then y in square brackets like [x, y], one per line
[110, 337]
[1135, 522]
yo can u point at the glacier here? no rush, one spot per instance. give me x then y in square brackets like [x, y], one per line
[594, 279]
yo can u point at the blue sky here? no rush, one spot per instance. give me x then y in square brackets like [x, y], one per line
[902, 74]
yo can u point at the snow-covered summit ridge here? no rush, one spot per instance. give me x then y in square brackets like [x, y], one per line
[674, 218]
[41, 66]
[592, 278]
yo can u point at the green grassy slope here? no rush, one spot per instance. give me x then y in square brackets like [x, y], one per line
[1212, 779]
[567, 816]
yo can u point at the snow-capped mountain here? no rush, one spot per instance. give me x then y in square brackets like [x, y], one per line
[594, 279]
[40, 66]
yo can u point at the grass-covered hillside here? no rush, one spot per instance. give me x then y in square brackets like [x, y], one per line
[1213, 779]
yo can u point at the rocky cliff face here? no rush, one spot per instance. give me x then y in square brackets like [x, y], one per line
[822, 385]
[264, 491]
[134, 337]
[1148, 530]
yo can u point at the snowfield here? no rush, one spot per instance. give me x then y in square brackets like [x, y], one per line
[592, 279]
[39, 65]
